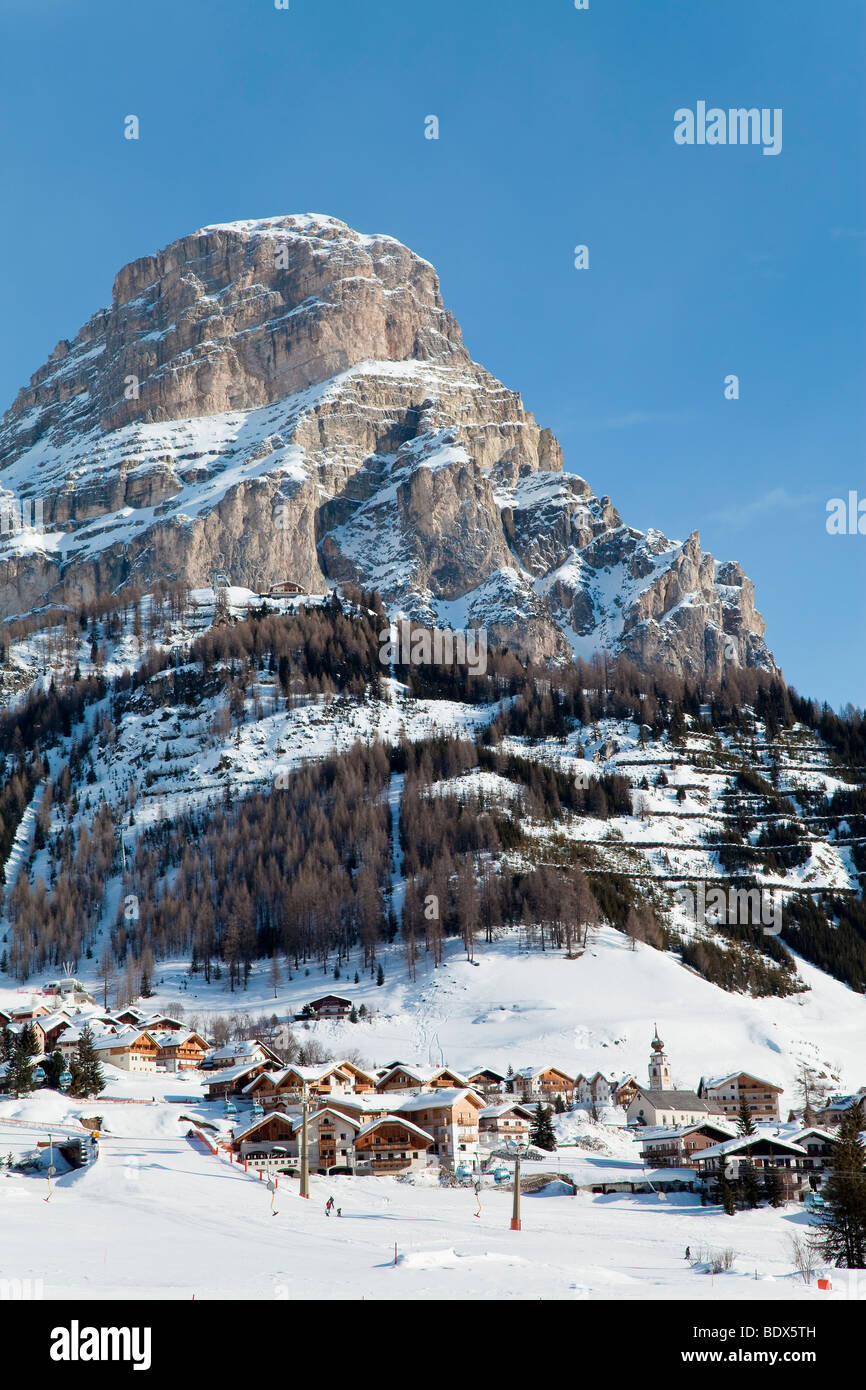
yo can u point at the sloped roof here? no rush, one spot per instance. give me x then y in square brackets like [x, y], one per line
[340, 1115]
[679, 1100]
[800, 1134]
[733, 1075]
[225, 1074]
[263, 1120]
[747, 1141]
[397, 1120]
[650, 1133]
[419, 1074]
[434, 1099]
[527, 1073]
[128, 1038]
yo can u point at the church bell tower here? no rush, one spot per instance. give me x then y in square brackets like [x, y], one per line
[659, 1066]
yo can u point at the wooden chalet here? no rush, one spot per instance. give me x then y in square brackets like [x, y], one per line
[131, 1050]
[231, 1081]
[26, 1013]
[15, 1028]
[486, 1079]
[179, 1051]
[329, 1006]
[403, 1077]
[130, 1016]
[738, 1087]
[543, 1083]
[499, 1124]
[676, 1148]
[726, 1160]
[364, 1082]
[391, 1144]
[283, 588]
[451, 1117]
[240, 1053]
[624, 1091]
[270, 1143]
[164, 1023]
[289, 1085]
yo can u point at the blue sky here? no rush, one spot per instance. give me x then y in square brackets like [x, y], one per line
[556, 129]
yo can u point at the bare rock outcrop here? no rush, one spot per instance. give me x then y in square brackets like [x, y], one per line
[289, 398]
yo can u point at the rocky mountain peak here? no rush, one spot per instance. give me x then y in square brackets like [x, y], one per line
[290, 398]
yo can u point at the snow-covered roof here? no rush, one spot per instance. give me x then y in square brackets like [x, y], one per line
[230, 1074]
[747, 1141]
[340, 1115]
[309, 1074]
[423, 1075]
[355, 1070]
[128, 1038]
[245, 1047]
[264, 1119]
[679, 1100]
[733, 1076]
[397, 1120]
[652, 1132]
[799, 1135]
[174, 1037]
[527, 1073]
[432, 1100]
[840, 1103]
[492, 1112]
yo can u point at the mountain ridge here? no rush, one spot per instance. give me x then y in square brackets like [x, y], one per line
[289, 398]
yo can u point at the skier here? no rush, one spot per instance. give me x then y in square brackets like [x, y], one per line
[328, 1205]
[688, 1252]
[339, 1211]
[478, 1200]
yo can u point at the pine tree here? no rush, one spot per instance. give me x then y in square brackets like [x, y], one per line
[380, 975]
[745, 1122]
[842, 1237]
[728, 1196]
[54, 1067]
[749, 1184]
[87, 1077]
[773, 1187]
[19, 1076]
[28, 1041]
[541, 1134]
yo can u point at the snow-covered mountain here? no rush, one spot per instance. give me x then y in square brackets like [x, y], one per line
[290, 399]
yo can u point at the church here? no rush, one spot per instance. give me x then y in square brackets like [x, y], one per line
[660, 1104]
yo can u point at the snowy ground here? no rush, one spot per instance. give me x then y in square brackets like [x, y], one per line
[155, 1216]
[524, 1008]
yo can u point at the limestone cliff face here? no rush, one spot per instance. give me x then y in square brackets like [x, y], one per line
[288, 398]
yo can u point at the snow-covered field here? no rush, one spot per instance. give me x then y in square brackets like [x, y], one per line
[158, 1216]
[525, 1008]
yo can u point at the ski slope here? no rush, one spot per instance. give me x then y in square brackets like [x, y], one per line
[159, 1217]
